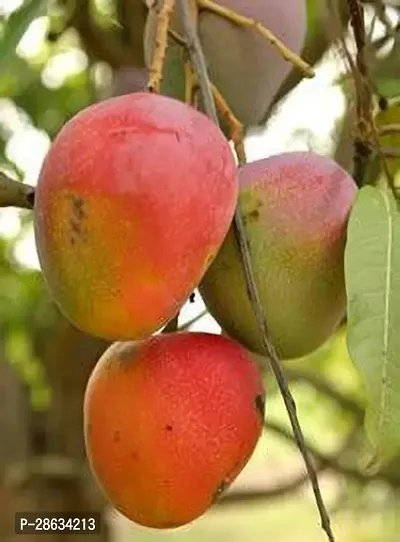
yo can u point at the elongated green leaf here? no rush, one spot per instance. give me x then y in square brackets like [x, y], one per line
[16, 27]
[372, 266]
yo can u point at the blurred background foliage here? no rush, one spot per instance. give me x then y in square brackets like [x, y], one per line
[57, 57]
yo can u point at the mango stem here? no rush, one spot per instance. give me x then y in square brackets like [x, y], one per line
[242, 20]
[161, 44]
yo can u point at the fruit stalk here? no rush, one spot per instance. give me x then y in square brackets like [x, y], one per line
[15, 194]
[200, 69]
[161, 44]
[241, 20]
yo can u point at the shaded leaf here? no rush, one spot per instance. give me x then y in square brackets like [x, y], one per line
[372, 266]
[384, 73]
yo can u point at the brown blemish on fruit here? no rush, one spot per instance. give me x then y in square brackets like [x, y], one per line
[124, 352]
[77, 216]
[254, 214]
[259, 403]
[168, 427]
[75, 227]
[78, 207]
[117, 436]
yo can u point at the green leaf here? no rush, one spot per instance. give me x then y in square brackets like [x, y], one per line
[173, 81]
[372, 268]
[384, 73]
[15, 28]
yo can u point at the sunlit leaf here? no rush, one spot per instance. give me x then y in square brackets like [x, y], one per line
[372, 266]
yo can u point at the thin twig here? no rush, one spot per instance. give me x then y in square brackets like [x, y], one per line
[176, 37]
[241, 20]
[160, 45]
[192, 321]
[236, 127]
[15, 194]
[200, 69]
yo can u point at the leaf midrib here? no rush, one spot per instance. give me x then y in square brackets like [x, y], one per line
[386, 326]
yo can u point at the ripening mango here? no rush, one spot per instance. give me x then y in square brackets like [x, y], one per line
[133, 202]
[170, 422]
[295, 206]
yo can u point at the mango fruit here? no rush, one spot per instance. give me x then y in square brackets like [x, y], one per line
[170, 422]
[295, 206]
[243, 65]
[134, 199]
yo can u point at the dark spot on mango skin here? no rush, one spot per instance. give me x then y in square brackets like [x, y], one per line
[168, 427]
[75, 227]
[259, 403]
[78, 206]
[125, 353]
[254, 214]
[117, 436]
[134, 455]
[77, 217]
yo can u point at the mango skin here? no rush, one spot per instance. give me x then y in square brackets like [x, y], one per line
[243, 65]
[170, 422]
[133, 201]
[296, 207]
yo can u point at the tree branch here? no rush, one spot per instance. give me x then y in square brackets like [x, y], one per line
[15, 194]
[200, 69]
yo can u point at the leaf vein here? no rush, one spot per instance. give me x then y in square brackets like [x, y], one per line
[384, 386]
